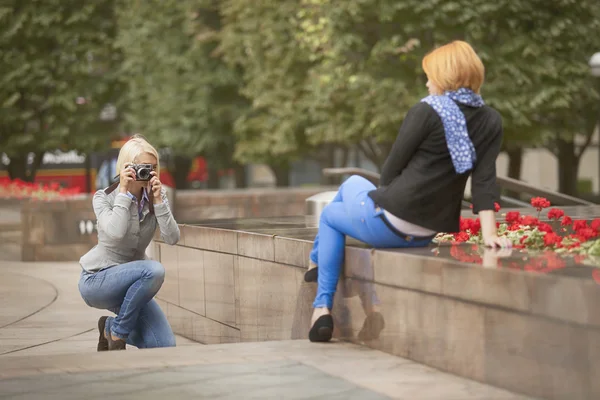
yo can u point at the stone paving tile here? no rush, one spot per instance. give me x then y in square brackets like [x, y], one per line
[289, 380]
[65, 326]
[18, 303]
[224, 370]
[68, 367]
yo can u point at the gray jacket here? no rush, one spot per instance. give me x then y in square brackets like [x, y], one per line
[122, 236]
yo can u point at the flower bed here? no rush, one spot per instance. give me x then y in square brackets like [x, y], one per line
[561, 234]
[18, 189]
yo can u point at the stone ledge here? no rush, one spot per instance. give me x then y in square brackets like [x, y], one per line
[558, 297]
[527, 332]
[50, 229]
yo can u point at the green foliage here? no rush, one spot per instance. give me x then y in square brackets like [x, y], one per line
[259, 38]
[277, 80]
[54, 52]
[180, 93]
[320, 71]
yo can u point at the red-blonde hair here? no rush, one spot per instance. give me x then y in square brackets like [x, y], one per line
[453, 66]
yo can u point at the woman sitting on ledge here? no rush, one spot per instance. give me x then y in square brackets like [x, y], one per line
[447, 137]
[116, 275]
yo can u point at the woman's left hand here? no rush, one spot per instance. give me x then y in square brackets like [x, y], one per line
[155, 186]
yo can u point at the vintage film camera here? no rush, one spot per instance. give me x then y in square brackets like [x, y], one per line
[142, 171]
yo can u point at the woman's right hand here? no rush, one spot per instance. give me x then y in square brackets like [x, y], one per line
[126, 177]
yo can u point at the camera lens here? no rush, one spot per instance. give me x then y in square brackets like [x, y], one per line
[143, 174]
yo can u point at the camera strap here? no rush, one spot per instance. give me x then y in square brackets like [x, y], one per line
[111, 188]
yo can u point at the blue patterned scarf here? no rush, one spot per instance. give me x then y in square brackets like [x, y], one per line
[459, 144]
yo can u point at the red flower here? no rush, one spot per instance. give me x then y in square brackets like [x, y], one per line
[513, 217]
[544, 227]
[580, 224]
[529, 220]
[551, 239]
[496, 207]
[472, 225]
[475, 226]
[566, 221]
[585, 234]
[514, 227]
[595, 224]
[465, 224]
[461, 237]
[555, 213]
[540, 203]
[523, 239]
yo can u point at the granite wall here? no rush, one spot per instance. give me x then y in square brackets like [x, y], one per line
[61, 230]
[530, 333]
[64, 230]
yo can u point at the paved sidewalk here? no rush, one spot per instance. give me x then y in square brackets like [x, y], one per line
[41, 311]
[48, 341]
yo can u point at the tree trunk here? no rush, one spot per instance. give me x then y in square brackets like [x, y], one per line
[18, 167]
[328, 161]
[213, 178]
[182, 169]
[282, 174]
[345, 157]
[241, 180]
[88, 173]
[568, 167]
[515, 163]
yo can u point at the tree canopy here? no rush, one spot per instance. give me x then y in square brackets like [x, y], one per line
[55, 77]
[273, 81]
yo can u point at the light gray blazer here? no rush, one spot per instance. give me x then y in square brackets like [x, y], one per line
[122, 236]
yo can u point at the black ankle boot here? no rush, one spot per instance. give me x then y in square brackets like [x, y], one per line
[322, 330]
[118, 344]
[102, 342]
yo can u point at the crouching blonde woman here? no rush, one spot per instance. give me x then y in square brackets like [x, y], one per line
[116, 274]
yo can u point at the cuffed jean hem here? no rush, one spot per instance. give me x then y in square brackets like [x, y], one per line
[111, 332]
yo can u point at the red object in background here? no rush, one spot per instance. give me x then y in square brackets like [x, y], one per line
[60, 177]
[555, 213]
[73, 175]
[540, 203]
[596, 275]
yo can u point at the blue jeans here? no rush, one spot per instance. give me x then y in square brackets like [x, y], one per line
[352, 212]
[128, 291]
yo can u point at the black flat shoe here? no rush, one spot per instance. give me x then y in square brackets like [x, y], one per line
[102, 342]
[311, 275]
[372, 327]
[322, 330]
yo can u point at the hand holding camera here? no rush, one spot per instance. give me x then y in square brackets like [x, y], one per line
[126, 178]
[155, 186]
[140, 173]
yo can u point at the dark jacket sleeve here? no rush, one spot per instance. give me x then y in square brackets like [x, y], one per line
[414, 129]
[483, 179]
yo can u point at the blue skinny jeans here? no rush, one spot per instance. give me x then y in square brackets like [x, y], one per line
[128, 290]
[353, 213]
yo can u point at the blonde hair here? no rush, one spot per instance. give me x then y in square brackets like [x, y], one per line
[454, 66]
[133, 148]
